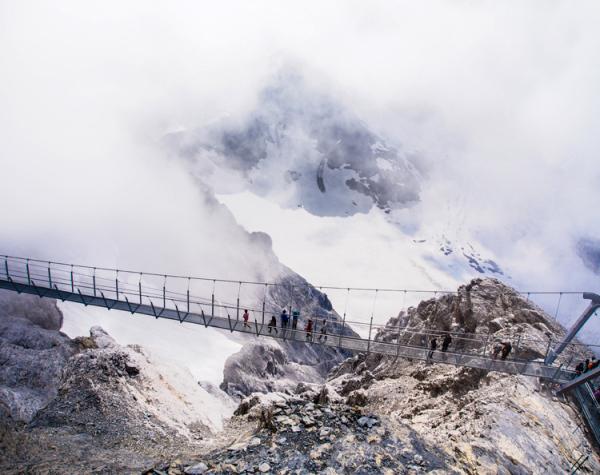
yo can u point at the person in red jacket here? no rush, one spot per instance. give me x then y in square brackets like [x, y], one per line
[309, 330]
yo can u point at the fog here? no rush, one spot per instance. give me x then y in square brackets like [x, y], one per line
[500, 100]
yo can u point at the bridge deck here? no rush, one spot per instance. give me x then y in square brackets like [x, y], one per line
[352, 343]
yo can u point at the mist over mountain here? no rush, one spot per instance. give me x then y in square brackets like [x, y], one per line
[302, 148]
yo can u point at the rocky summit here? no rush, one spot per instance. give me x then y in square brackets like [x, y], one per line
[106, 408]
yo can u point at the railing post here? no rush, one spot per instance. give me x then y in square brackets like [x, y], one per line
[6, 267]
[94, 281]
[485, 344]
[140, 288]
[342, 333]
[28, 274]
[212, 302]
[263, 304]
[548, 348]
[72, 282]
[49, 275]
[237, 308]
[165, 292]
[517, 345]
[117, 284]
[369, 341]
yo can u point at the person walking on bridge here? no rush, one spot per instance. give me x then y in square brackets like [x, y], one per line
[432, 347]
[446, 342]
[284, 319]
[246, 316]
[506, 349]
[295, 315]
[309, 330]
[323, 332]
[273, 324]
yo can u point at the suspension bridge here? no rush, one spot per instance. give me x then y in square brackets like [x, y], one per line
[116, 289]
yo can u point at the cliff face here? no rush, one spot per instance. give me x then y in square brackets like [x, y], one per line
[33, 354]
[480, 420]
[91, 403]
[265, 365]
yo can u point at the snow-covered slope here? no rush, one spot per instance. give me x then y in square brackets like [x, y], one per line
[301, 148]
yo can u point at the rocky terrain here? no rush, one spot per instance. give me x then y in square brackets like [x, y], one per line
[91, 403]
[383, 415]
[113, 409]
[266, 365]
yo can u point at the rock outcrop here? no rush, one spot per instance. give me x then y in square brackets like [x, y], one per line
[91, 403]
[483, 422]
[32, 354]
[265, 365]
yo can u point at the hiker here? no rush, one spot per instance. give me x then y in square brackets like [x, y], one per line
[579, 368]
[446, 342]
[585, 365]
[295, 315]
[284, 319]
[597, 394]
[309, 329]
[323, 332]
[496, 351]
[245, 316]
[593, 363]
[273, 324]
[506, 349]
[432, 347]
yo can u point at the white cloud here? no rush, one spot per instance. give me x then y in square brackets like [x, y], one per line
[501, 98]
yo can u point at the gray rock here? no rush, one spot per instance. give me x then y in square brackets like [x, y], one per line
[307, 421]
[33, 353]
[197, 469]
[264, 467]
[365, 421]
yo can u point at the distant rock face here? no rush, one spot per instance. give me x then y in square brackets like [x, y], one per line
[304, 149]
[589, 252]
[266, 365]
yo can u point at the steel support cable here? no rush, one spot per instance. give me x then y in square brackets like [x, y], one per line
[558, 306]
[528, 293]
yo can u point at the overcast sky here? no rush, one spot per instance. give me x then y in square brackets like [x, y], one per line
[499, 98]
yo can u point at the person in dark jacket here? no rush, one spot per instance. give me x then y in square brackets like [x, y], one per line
[432, 347]
[295, 316]
[273, 324]
[284, 319]
[506, 349]
[579, 368]
[446, 342]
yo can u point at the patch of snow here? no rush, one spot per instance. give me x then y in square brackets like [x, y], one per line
[384, 164]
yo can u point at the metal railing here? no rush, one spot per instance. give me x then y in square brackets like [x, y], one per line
[176, 297]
